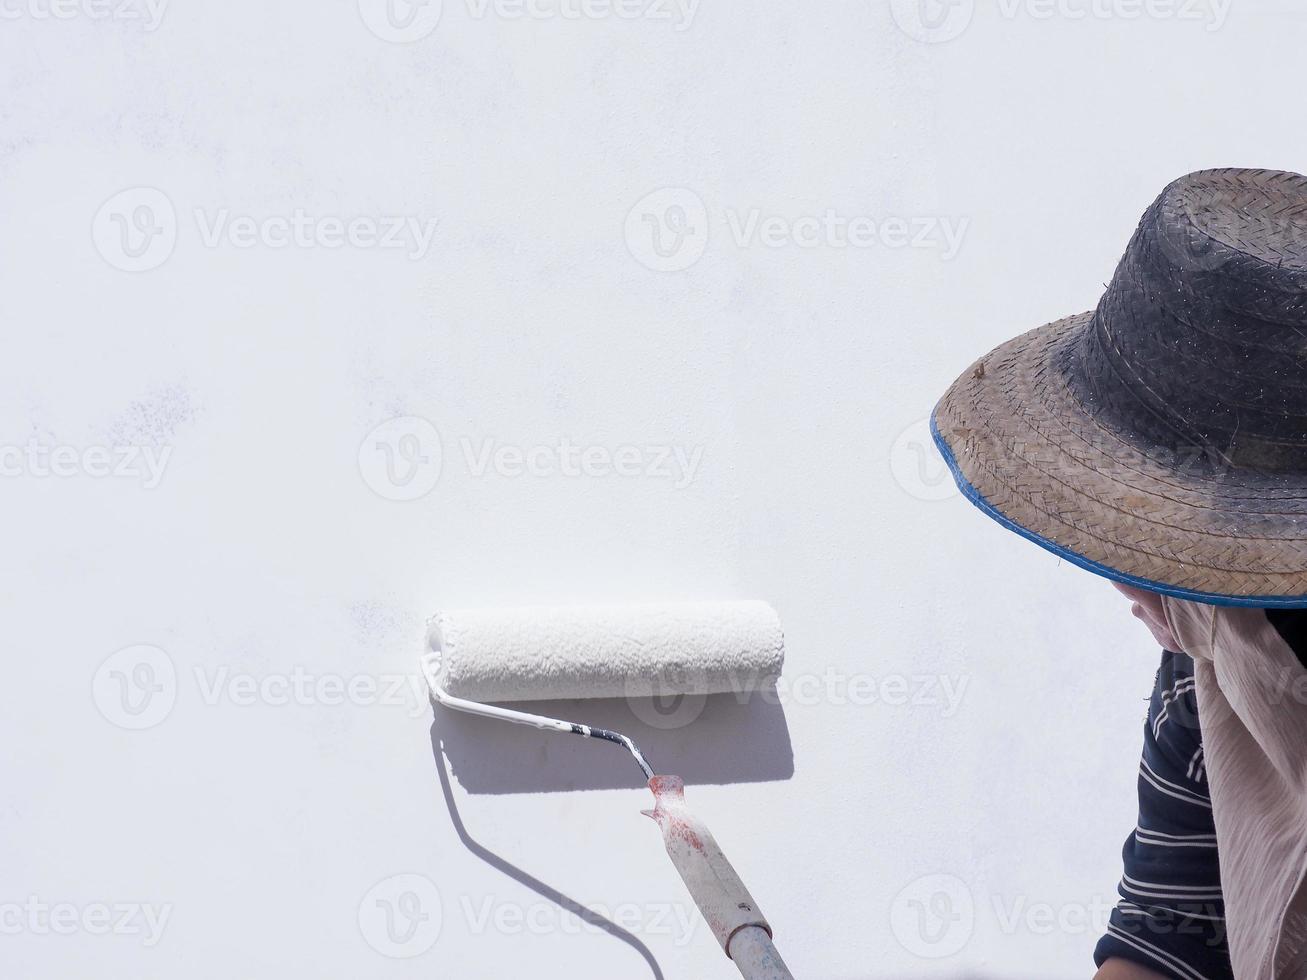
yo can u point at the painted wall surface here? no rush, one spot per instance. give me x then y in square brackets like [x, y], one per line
[320, 316]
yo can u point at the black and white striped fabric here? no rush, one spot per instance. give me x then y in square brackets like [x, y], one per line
[1171, 917]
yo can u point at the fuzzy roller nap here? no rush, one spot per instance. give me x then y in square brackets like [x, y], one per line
[549, 653]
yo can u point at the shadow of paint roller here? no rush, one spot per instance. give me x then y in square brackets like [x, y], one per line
[559, 652]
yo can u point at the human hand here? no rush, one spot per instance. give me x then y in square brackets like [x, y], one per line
[1148, 609]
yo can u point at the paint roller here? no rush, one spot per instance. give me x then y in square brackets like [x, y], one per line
[476, 656]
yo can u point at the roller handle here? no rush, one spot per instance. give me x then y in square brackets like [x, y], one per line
[730, 911]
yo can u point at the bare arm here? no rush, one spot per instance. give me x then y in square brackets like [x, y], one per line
[1125, 970]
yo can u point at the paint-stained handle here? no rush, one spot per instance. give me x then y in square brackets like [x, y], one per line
[727, 906]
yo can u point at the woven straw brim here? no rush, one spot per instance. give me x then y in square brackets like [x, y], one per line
[1023, 449]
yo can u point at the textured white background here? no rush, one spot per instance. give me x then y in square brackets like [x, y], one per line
[801, 374]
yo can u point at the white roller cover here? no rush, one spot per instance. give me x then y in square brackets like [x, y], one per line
[551, 652]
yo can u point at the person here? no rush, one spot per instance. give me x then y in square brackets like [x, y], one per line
[1160, 441]
[1170, 921]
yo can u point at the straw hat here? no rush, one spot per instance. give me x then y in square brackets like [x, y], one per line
[1161, 439]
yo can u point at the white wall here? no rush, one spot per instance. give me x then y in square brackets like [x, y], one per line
[802, 375]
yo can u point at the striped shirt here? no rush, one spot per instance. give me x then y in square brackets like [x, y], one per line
[1171, 916]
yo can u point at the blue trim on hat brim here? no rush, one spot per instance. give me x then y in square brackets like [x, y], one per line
[1098, 568]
